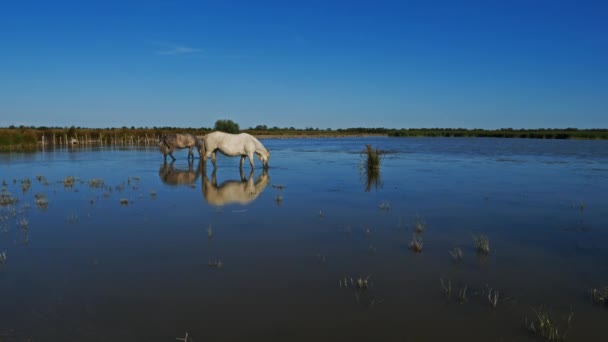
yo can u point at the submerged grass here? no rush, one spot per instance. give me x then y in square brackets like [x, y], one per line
[547, 327]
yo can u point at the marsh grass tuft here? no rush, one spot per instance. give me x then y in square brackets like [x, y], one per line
[41, 201]
[416, 244]
[462, 295]
[600, 296]
[72, 219]
[26, 183]
[373, 157]
[278, 199]
[7, 199]
[124, 201]
[385, 205]
[493, 298]
[23, 223]
[457, 254]
[547, 327]
[446, 288]
[482, 244]
[153, 194]
[3, 258]
[96, 183]
[68, 181]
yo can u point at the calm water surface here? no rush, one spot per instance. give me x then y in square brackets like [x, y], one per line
[87, 268]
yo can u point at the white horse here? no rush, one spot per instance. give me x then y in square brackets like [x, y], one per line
[233, 145]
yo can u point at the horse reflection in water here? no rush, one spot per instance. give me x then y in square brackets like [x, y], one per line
[242, 191]
[171, 175]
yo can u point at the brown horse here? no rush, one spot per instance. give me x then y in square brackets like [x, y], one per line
[170, 142]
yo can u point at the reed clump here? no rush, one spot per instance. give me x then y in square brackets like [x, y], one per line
[3, 258]
[373, 157]
[547, 327]
[482, 244]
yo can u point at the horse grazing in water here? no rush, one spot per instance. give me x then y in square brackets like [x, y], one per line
[243, 191]
[233, 145]
[170, 142]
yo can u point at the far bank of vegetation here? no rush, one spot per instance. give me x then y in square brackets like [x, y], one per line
[23, 137]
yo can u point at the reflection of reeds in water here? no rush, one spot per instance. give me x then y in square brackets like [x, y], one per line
[373, 179]
[547, 327]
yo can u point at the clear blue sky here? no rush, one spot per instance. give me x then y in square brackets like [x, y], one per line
[488, 64]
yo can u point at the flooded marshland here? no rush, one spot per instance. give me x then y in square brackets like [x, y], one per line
[459, 239]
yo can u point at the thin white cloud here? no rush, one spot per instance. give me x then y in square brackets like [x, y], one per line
[175, 50]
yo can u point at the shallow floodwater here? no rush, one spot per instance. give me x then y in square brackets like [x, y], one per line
[264, 256]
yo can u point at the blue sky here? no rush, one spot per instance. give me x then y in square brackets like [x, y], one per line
[488, 64]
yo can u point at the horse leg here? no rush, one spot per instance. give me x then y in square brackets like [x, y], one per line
[190, 153]
[171, 154]
[250, 155]
[242, 161]
[213, 159]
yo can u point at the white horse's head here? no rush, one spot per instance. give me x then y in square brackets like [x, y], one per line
[264, 158]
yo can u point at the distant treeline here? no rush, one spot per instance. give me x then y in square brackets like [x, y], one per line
[30, 136]
[567, 133]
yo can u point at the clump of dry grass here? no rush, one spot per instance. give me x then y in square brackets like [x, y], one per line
[124, 201]
[482, 243]
[416, 244]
